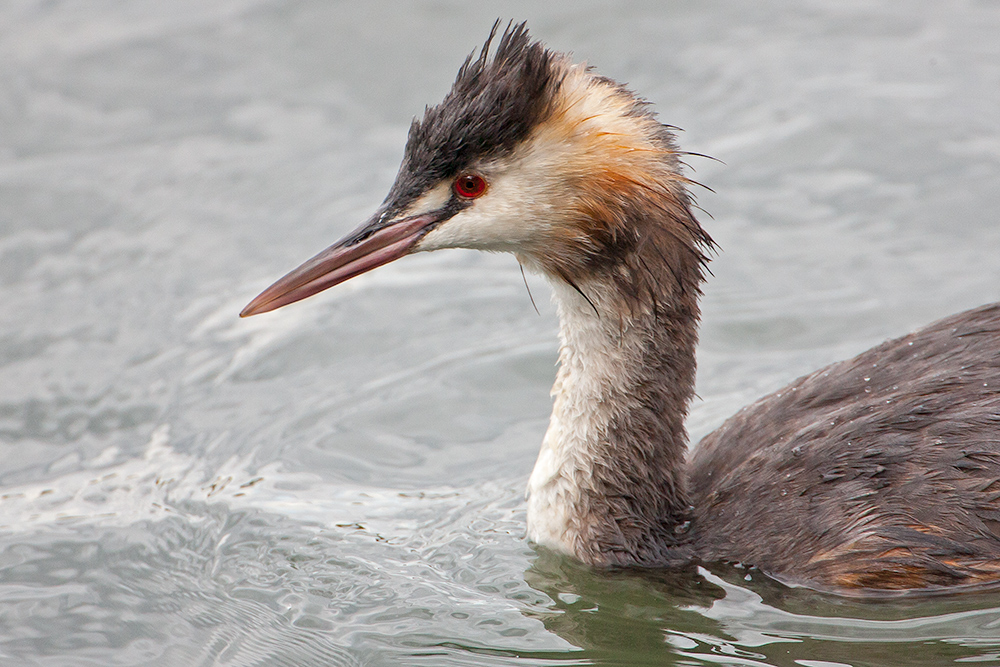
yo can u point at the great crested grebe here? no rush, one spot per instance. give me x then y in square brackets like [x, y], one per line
[879, 472]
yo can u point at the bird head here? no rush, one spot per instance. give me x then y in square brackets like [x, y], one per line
[531, 154]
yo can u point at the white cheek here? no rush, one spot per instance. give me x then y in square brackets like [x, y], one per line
[521, 204]
[491, 223]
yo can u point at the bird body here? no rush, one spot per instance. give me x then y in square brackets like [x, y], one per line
[881, 472]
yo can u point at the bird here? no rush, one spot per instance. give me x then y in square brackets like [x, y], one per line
[876, 474]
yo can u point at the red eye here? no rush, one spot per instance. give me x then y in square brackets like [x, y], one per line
[470, 186]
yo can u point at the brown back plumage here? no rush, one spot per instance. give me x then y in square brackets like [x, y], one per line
[882, 471]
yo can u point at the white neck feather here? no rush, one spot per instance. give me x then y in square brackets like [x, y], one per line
[591, 388]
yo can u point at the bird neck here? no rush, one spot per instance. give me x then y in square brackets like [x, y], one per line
[609, 485]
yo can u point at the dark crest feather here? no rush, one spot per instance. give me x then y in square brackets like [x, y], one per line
[492, 106]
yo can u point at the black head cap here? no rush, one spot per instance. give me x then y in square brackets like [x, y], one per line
[493, 105]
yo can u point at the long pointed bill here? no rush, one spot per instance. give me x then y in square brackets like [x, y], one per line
[340, 262]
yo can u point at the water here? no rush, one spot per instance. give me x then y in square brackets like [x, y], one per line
[340, 483]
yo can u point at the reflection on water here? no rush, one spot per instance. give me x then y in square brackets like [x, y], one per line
[341, 483]
[739, 617]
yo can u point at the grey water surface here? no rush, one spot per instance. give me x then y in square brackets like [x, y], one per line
[340, 482]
